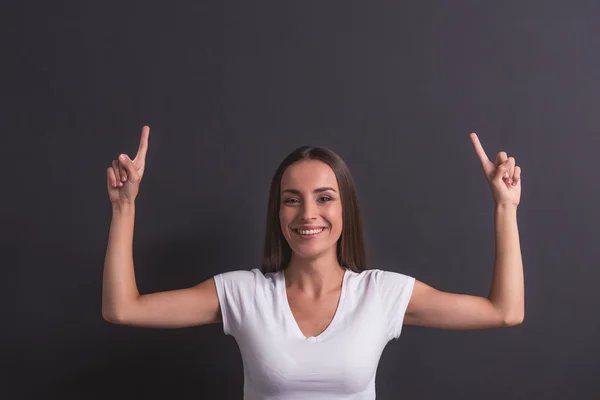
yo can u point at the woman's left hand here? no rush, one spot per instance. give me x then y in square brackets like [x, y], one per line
[503, 175]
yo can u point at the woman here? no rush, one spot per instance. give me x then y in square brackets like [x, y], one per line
[314, 321]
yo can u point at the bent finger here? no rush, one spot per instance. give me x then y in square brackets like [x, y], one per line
[517, 175]
[129, 171]
[116, 170]
[123, 172]
[110, 177]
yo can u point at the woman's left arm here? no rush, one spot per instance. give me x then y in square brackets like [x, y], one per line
[505, 305]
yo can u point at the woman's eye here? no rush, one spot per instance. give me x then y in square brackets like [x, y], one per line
[325, 198]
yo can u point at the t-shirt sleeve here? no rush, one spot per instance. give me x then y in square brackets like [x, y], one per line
[235, 290]
[395, 290]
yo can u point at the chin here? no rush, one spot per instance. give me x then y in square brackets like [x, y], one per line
[311, 253]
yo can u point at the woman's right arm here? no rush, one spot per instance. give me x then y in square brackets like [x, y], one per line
[121, 301]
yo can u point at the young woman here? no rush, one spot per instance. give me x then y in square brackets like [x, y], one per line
[313, 322]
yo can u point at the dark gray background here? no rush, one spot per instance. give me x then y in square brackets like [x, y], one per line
[231, 87]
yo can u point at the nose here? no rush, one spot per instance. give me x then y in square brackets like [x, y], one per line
[309, 211]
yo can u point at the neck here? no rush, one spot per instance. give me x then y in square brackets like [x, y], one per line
[314, 278]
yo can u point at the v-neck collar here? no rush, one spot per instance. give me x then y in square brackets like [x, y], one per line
[292, 320]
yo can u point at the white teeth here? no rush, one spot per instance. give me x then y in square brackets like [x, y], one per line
[311, 232]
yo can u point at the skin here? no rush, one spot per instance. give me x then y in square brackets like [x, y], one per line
[313, 271]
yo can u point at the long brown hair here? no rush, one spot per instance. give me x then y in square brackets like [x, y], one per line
[351, 249]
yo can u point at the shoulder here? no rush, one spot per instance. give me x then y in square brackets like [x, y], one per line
[386, 282]
[384, 278]
[381, 283]
[392, 278]
[240, 274]
[244, 279]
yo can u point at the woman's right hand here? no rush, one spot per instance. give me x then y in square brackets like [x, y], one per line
[124, 177]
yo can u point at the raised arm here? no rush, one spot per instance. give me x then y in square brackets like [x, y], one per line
[505, 305]
[121, 301]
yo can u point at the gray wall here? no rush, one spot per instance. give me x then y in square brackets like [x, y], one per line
[229, 88]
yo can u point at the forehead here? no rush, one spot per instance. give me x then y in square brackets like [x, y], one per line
[307, 175]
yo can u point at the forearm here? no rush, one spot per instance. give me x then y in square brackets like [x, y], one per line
[118, 282]
[507, 292]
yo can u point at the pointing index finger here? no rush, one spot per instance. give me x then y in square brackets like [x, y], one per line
[143, 148]
[479, 149]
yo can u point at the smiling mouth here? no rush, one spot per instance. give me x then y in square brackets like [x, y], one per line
[309, 233]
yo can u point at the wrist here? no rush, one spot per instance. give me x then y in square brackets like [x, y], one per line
[123, 208]
[501, 207]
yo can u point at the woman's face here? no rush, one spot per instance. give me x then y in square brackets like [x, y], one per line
[310, 198]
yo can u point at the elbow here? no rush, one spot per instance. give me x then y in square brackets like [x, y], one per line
[116, 313]
[112, 317]
[514, 320]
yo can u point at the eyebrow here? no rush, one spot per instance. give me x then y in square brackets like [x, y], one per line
[317, 190]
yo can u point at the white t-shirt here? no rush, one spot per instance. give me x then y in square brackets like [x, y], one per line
[281, 363]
